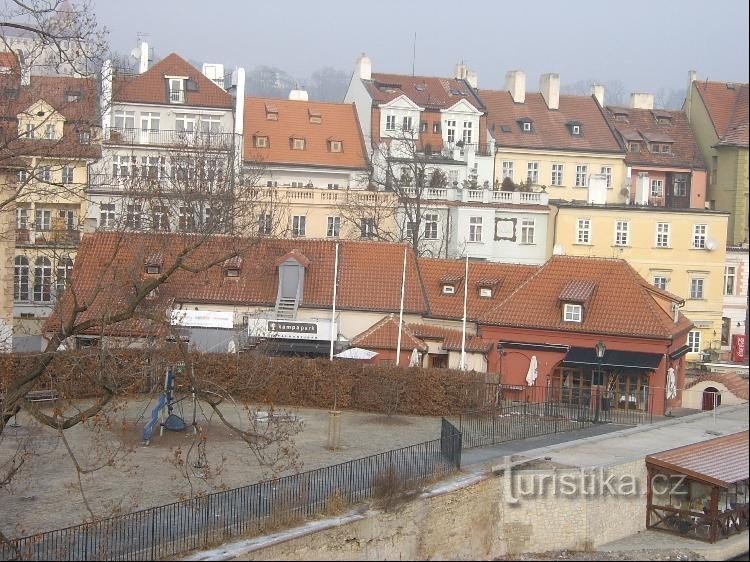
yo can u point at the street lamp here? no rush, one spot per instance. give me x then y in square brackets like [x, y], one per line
[600, 349]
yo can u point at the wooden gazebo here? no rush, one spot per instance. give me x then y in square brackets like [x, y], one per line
[700, 491]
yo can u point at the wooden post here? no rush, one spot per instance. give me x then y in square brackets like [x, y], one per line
[334, 429]
[713, 514]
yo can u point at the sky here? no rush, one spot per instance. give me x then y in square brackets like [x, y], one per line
[646, 44]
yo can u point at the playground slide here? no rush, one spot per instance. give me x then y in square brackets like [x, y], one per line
[148, 430]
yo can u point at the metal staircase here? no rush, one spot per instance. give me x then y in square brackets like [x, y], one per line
[286, 308]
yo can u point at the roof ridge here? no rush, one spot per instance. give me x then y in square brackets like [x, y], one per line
[661, 315]
[512, 293]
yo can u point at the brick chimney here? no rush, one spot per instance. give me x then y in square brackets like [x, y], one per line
[549, 87]
[640, 100]
[515, 83]
[597, 90]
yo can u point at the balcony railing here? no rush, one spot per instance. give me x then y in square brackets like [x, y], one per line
[479, 195]
[55, 237]
[161, 137]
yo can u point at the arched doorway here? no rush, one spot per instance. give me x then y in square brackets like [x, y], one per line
[710, 394]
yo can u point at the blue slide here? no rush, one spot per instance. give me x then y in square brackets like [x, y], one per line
[148, 430]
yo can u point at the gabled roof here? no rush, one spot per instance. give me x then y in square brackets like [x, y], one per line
[430, 92]
[642, 125]
[151, 86]
[384, 335]
[450, 338]
[551, 128]
[727, 106]
[338, 122]
[622, 304]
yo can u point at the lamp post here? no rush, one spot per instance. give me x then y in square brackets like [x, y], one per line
[600, 351]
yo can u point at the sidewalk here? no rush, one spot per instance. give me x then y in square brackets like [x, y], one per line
[725, 549]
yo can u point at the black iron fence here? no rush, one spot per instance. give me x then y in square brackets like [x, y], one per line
[508, 412]
[168, 530]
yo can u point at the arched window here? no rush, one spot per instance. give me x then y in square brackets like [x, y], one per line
[64, 268]
[42, 279]
[21, 279]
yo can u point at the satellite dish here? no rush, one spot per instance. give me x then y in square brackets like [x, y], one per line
[558, 250]
[710, 244]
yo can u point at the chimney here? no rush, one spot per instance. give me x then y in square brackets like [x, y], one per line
[515, 83]
[298, 95]
[549, 87]
[472, 78]
[640, 100]
[692, 77]
[106, 99]
[597, 90]
[143, 67]
[239, 101]
[363, 67]
[460, 71]
[215, 73]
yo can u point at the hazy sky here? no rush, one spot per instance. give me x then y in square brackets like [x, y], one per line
[644, 43]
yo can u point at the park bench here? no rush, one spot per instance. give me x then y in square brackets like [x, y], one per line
[39, 396]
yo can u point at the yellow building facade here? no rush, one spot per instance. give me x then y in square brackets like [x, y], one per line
[681, 251]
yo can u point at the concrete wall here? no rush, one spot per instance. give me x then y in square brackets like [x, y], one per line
[475, 522]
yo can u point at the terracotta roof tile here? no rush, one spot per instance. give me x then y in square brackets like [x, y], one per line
[642, 124]
[451, 338]
[430, 92]
[151, 86]
[622, 304]
[727, 105]
[550, 127]
[384, 335]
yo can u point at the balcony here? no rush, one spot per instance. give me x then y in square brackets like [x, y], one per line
[56, 237]
[480, 196]
[177, 139]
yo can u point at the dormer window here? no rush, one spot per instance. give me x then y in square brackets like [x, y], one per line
[153, 264]
[449, 289]
[526, 126]
[572, 312]
[153, 269]
[232, 266]
[176, 89]
[666, 149]
[72, 96]
[272, 112]
[485, 292]
[634, 147]
[575, 129]
[297, 143]
[84, 137]
[260, 141]
[232, 272]
[335, 146]
[315, 117]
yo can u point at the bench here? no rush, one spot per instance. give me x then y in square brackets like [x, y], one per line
[42, 396]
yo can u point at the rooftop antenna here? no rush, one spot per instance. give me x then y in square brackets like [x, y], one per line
[413, 53]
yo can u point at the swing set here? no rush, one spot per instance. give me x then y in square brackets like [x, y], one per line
[164, 414]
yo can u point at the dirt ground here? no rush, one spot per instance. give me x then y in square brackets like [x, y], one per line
[630, 555]
[46, 494]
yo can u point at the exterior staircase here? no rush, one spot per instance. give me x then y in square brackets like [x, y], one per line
[286, 309]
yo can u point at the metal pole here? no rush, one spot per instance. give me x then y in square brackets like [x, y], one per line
[401, 310]
[463, 328]
[333, 313]
[599, 373]
[715, 393]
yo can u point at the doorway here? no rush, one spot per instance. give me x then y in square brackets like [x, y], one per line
[710, 394]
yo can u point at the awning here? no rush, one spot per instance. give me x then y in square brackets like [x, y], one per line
[533, 346]
[677, 353]
[296, 347]
[613, 358]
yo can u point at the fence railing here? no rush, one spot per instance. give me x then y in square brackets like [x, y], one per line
[167, 530]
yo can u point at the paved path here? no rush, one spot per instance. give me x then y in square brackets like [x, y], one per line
[725, 549]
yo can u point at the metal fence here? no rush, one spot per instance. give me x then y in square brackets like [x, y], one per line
[507, 413]
[168, 530]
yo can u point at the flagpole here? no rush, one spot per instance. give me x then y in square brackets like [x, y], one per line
[463, 329]
[335, 286]
[401, 311]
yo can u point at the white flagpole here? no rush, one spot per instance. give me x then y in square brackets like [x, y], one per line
[401, 310]
[335, 286]
[463, 329]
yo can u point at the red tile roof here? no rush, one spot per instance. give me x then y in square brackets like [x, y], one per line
[641, 125]
[384, 335]
[451, 338]
[338, 122]
[551, 128]
[151, 86]
[623, 303]
[727, 106]
[426, 91]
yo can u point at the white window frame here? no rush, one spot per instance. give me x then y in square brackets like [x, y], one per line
[526, 126]
[607, 173]
[622, 233]
[390, 122]
[176, 90]
[42, 290]
[50, 132]
[185, 122]
[730, 279]
[532, 172]
[298, 144]
[557, 174]
[406, 123]
[528, 231]
[22, 217]
[42, 219]
[657, 188]
[431, 226]
[583, 231]
[694, 341]
[67, 174]
[124, 119]
[367, 227]
[663, 234]
[265, 224]
[700, 234]
[21, 279]
[467, 132]
[150, 121]
[334, 227]
[697, 288]
[582, 173]
[107, 215]
[660, 282]
[299, 226]
[508, 166]
[475, 229]
[572, 312]
[450, 131]
[210, 124]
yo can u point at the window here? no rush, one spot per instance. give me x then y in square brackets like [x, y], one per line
[21, 279]
[467, 132]
[42, 219]
[23, 175]
[485, 292]
[272, 114]
[680, 186]
[406, 124]
[30, 131]
[634, 147]
[160, 218]
[334, 225]
[662, 234]
[449, 289]
[150, 166]
[450, 127]
[452, 177]
[411, 230]
[730, 277]
[84, 137]
[657, 188]
[42, 279]
[526, 126]
[575, 129]
[298, 144]
[176, 90]
[475, 229]
[606, 171]
[45, 173]
[333, 186]
[582, 175]
[68, 217]
[22, 218]
[260, 142]
[528, 231]
[390, 122]
[265, 224]
[49, 131]
[67, 174]
[133, 216]
[699, 235]
[298, 225]
[334, 146]
[152, 269]
[660, 282]
[124, 119]
[622, 233]
[367, 227]
[121, 166]
[210, 124]
[149, 121]
[423, 127]
[572, 312]
[184, 122]
[106, 215]
[557, 174]
[64, 269]
[430, 226]
[584, 231]
[532, 172]
[436, 127]
[666, 148]
[694, 341]
[508, 169]
[186, 220]
[696, 288]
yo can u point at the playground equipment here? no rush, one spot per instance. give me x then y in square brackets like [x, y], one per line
[164, 411]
